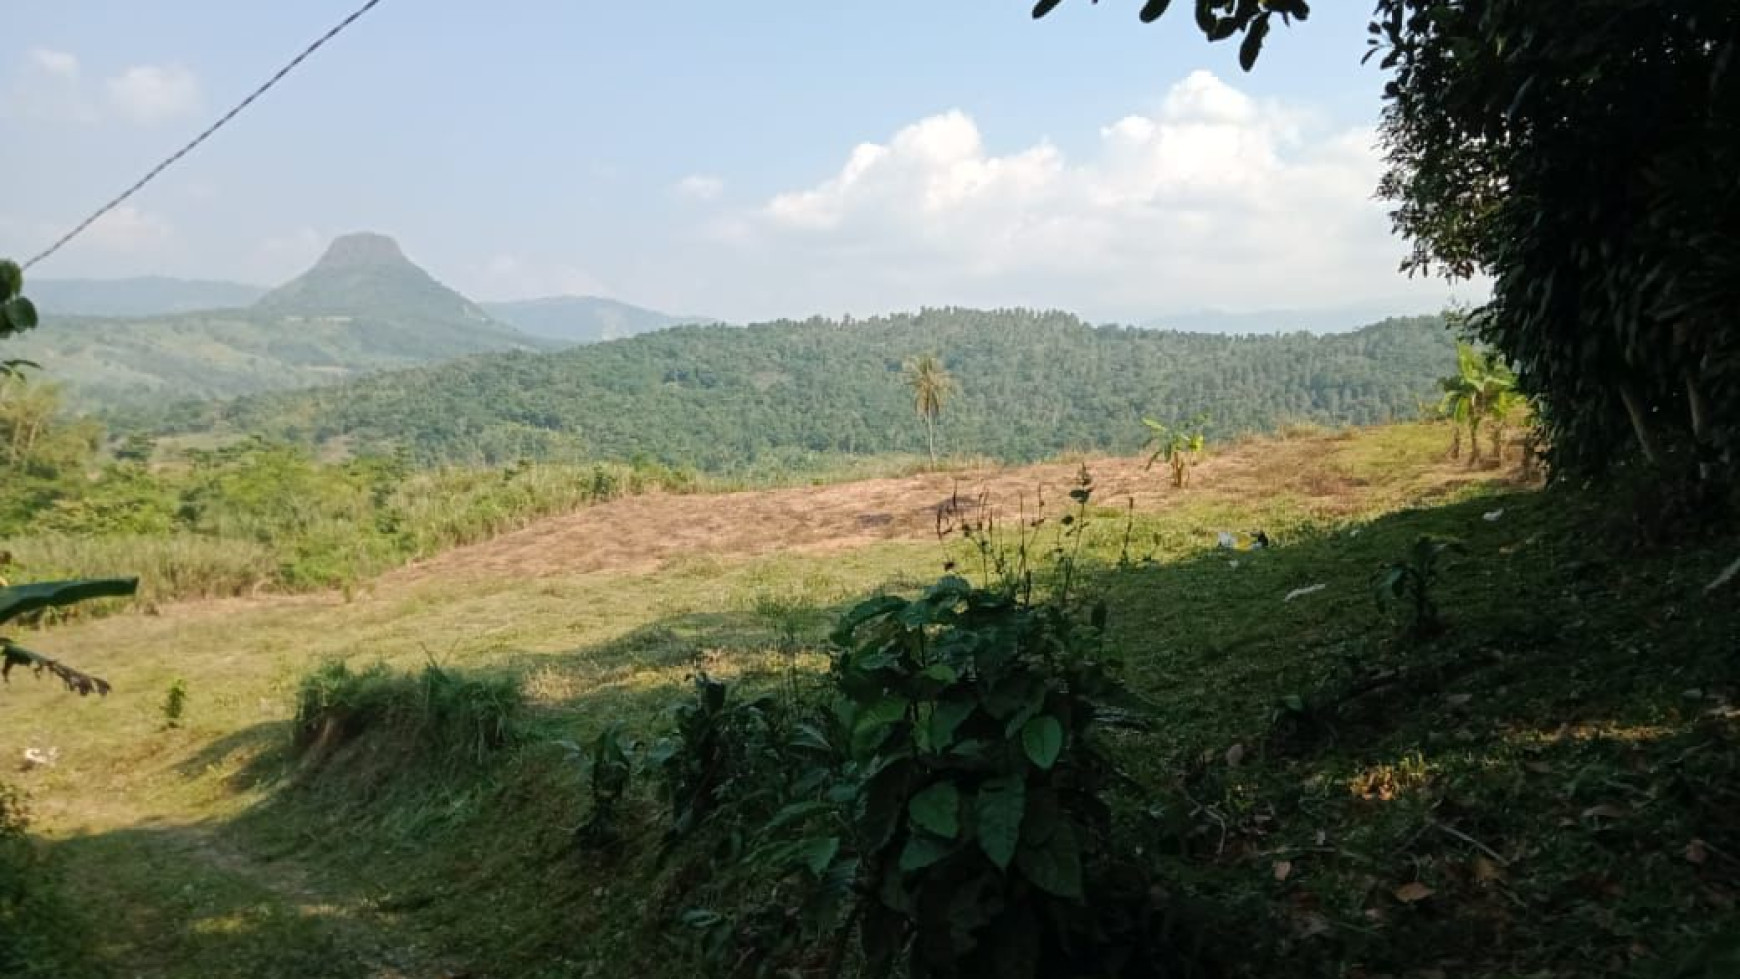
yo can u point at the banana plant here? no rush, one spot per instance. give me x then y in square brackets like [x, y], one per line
[1482, 389]
[18, 600]
[1180, 447]
[1408, 583]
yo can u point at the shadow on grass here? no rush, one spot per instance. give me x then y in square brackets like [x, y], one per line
[375, 860]
[1549, 727]
[186, 901]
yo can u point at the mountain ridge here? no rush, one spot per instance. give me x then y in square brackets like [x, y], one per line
[585, 319]
[364, 306]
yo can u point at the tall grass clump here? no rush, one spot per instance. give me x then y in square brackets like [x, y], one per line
[436, 716]
[175, 566]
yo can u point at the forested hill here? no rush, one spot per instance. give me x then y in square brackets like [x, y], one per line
[1029, 384]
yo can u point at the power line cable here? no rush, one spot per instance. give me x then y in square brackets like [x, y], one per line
[202, 137]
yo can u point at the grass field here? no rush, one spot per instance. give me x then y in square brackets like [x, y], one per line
[1546, 789]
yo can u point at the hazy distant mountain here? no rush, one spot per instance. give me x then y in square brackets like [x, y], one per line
[151, 295]
[363, 307]
[585, 319]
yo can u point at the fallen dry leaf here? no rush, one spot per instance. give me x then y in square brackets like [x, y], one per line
[1486, 871]
[1413, 892]
[1283, 869]
[1459, 699]
[1605, 811]
[1234, 755]
[1322, 837]
[1697, 852]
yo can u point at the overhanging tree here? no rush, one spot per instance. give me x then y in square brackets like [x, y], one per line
[1582, 155]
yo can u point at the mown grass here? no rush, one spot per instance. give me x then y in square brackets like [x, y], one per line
[1556, 772]
[271, 520]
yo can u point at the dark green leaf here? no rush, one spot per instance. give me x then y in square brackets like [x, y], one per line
[940, 672]
[818, 853]
[19, 599]
[20, 313]
[937, 809]
[863, 612]
[1153, 9]
[1042, 739]
[1044, 815]
[945, 719]
[11, 279]
[1055, 865]
[1000, 805]
[923, 850]
[880, 804]
[1044, 7]
[872, 724]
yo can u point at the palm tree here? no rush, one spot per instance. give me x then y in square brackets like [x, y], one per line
[931, 386]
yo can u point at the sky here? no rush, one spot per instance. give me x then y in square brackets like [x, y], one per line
[746, 160]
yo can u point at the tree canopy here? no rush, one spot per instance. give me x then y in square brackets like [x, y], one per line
[774, 395]
[1582, 155]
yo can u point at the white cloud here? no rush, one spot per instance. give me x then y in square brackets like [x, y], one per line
[48, 87]
[1214, 199]
[150, 94]
[699, 187]
[129, 229]
[57, 63]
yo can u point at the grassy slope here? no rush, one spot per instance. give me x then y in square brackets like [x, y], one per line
[1544, 768]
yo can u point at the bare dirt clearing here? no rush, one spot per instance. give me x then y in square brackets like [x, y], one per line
[642, 533]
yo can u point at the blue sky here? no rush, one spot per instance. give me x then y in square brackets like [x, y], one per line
[744, 160]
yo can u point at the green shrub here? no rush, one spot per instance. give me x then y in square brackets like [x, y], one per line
[42, 934]
[174, 706]
[945, 805]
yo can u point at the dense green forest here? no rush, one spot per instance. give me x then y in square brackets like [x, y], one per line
[1030, 384]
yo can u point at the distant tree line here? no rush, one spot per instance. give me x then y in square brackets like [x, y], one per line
[1024, 385]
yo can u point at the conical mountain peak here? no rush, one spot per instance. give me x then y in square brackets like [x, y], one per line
[361, 250]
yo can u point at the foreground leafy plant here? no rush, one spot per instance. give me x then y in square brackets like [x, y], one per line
[19, 600]
[970, 718]
[946, 808]
[1409, 583]
[609, 764]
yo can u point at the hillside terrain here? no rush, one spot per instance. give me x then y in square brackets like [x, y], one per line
[1524, 794]
[363, 307]
[583, 319]
[1028, 385]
